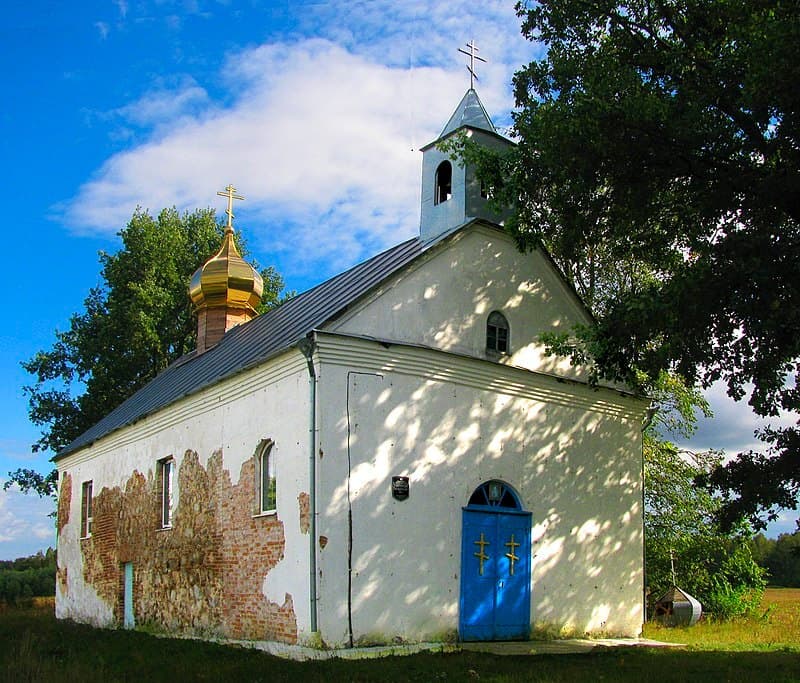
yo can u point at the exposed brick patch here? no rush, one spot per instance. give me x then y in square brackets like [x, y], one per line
[64, 499]
[204, 576]
[100, 564]
[304, 501]
[251, 546]
[61, 577]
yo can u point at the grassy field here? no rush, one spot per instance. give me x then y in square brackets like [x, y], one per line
[775, 628]
[36, 647]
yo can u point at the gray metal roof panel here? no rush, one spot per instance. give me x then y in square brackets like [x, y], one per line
[469, 112]
[252, 343]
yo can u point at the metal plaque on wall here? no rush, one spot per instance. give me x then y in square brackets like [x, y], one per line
[400, 488]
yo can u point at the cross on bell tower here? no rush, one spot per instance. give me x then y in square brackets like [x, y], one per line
[452, 194]
[472, 54]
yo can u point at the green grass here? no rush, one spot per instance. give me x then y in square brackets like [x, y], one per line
[776, 627]
[36, 647]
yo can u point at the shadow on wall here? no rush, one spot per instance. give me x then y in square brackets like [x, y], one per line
[445, 303]
[577, 470]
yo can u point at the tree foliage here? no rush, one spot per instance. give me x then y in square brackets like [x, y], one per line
[28, 577]
[664, 136]
[780, 557]
[714, 565]
[134, 324]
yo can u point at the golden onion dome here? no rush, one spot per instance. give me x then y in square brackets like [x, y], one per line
[226, 279]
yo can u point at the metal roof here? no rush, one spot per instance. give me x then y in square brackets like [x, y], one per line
[252, 343]
[469, 112]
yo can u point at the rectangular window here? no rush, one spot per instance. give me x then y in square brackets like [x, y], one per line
[502, 340]
[497, 333]
[167, 472]
[86, 509]
[491, 338]
[266, 486]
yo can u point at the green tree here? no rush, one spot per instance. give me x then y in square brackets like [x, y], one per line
[27, 577]
[713, 564]
[664, 135]
[780, 557]
[761, 547]
[716, 566]
[134, 324]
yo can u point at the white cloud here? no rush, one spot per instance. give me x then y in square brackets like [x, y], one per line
[165, 104]
[786, 523]
[122, 6]
[320, 134]
[25, 526]
[732, 429]
[321, 142]
[102, 28]
[733, 426]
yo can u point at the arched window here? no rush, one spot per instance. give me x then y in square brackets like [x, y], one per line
[444, 183]
[497, 333]
[495, 494]
[266, 482]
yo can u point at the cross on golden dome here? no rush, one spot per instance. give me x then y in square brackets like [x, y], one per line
[230, 193]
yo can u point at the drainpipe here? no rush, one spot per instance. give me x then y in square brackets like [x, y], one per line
[307, 347]
[650, 415]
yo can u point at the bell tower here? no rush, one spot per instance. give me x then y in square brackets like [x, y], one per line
[451, 192]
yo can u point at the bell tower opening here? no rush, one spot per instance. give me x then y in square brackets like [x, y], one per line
[444, 183]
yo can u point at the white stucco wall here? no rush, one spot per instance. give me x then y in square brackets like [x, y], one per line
[450, 423]
[444, 299]
[269, 402]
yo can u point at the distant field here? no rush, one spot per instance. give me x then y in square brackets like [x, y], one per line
[36, 647]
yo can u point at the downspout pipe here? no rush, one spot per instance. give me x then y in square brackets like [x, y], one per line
[649, 416]
[307, 347]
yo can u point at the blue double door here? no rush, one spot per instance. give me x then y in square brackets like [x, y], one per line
[495, 575]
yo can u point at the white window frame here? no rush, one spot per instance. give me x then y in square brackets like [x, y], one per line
[86, 509]
[167, 494]
[266, 488]
[497, 323]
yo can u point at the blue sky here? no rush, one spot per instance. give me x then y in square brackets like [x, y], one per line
[315, 111]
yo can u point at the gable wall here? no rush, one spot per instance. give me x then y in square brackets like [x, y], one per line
[572, 453]
[443, 302]
[221, 570]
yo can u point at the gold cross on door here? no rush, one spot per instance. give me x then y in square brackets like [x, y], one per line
[482, 556]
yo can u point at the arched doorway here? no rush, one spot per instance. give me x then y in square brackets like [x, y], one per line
[495, 565]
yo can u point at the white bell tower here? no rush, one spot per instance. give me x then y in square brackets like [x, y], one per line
[451, 193]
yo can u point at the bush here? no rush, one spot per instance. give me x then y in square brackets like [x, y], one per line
[726, 602]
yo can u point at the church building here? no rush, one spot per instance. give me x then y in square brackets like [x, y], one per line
[388, 457]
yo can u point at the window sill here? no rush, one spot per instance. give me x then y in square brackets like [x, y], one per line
[165, 528]
[268, 513]
[497, 355]
[85, 538]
